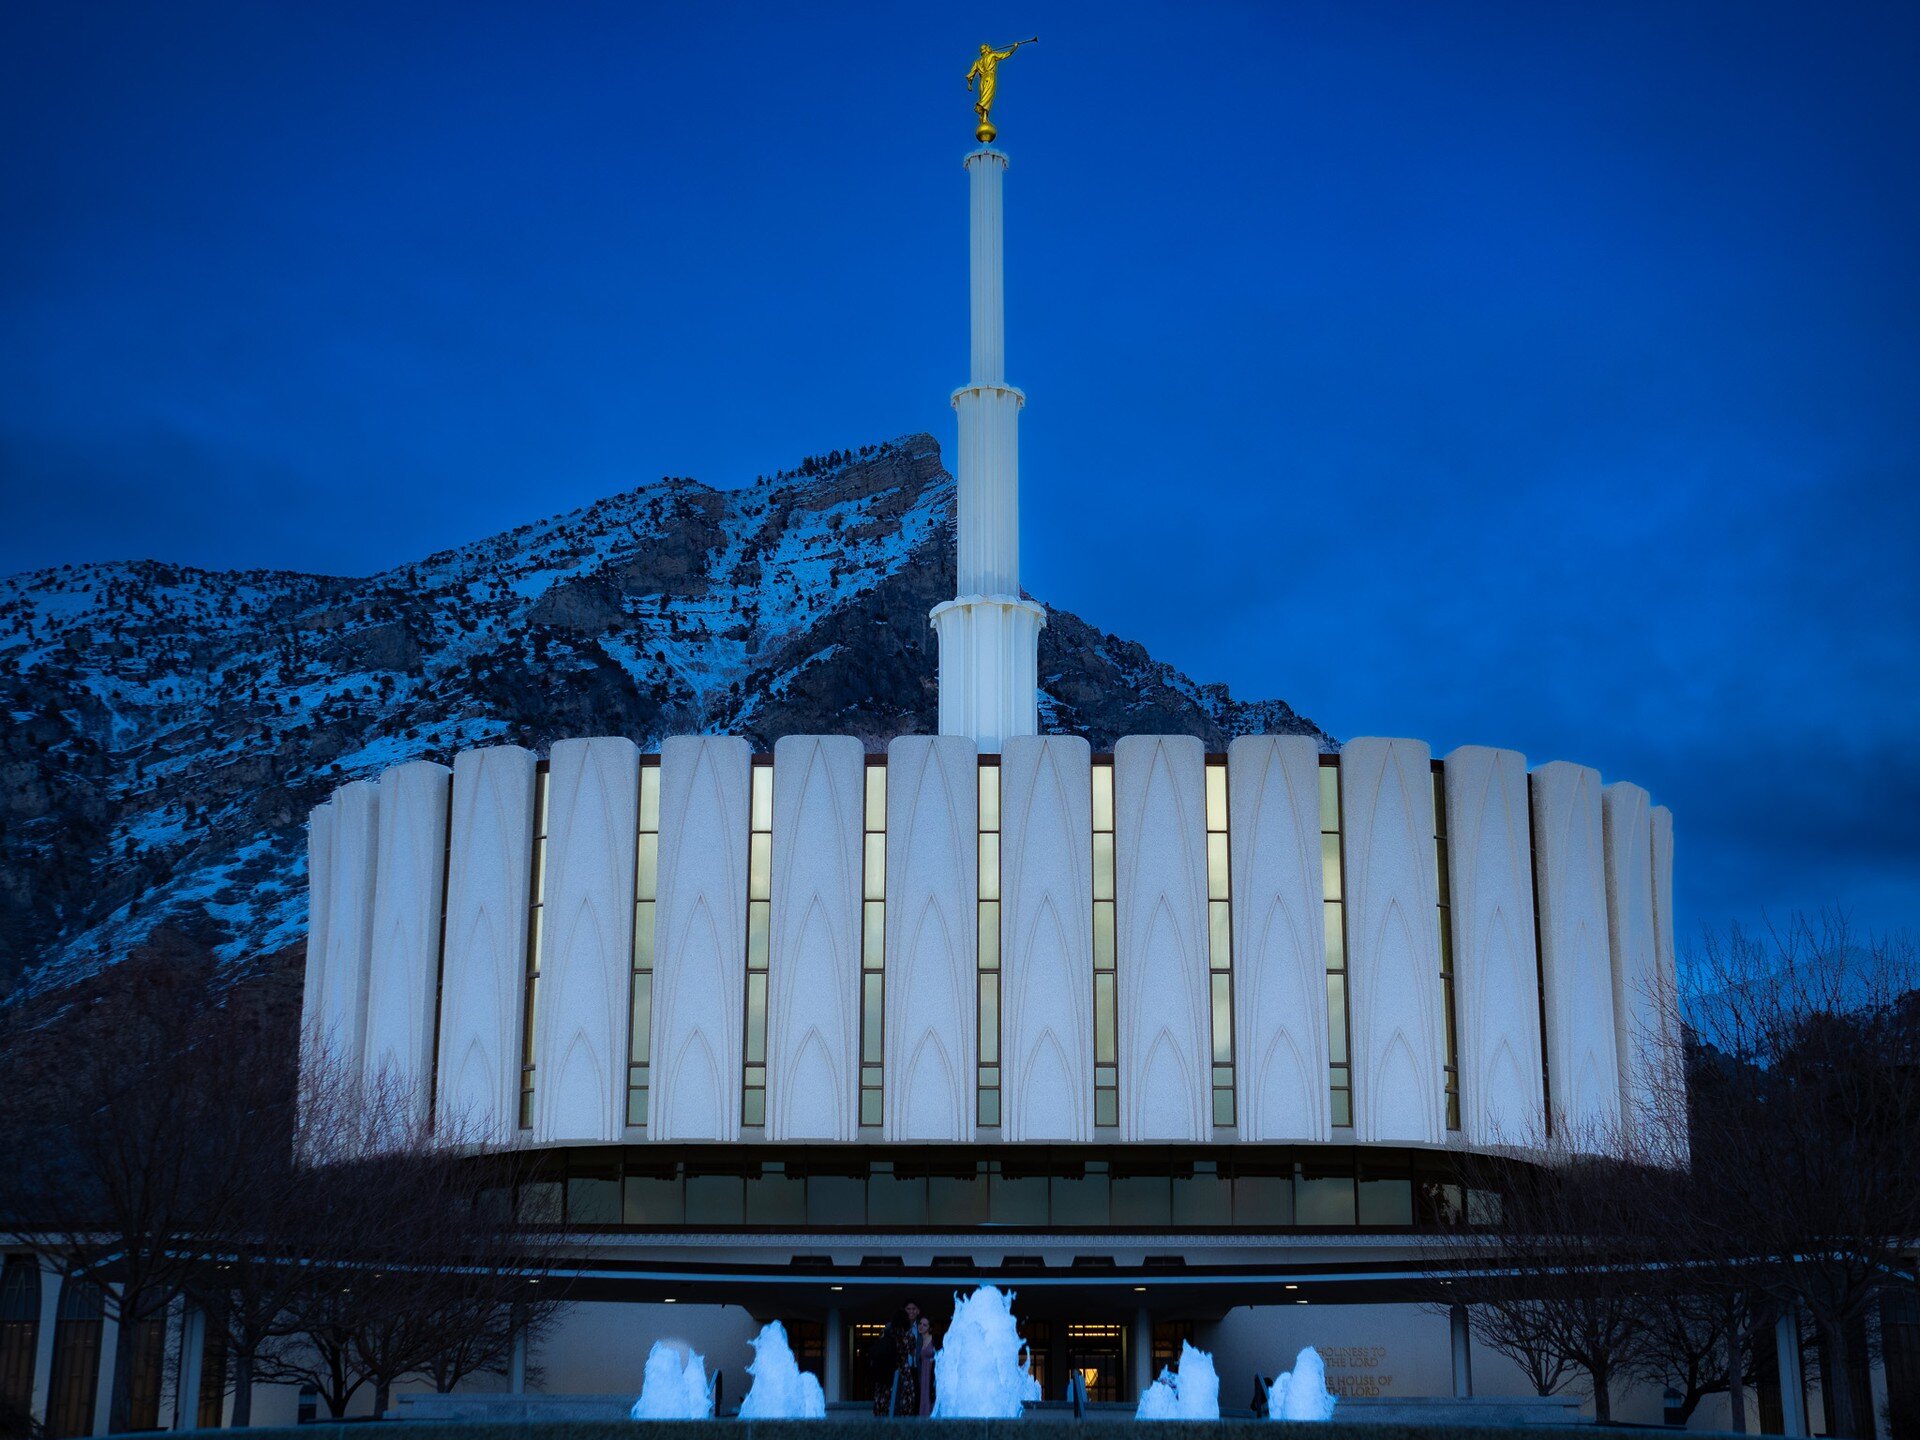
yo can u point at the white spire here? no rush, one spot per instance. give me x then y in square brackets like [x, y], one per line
[989, 636]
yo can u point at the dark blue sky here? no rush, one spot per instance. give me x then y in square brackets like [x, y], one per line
[1537, 375]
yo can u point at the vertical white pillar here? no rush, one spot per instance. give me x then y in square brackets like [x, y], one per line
[1628, 836]
[1142, 1357]
[1461, 1335]
[404, 969]
[700, 953]
[103, 1377]
[50, 1283]
[1393, 939]
[1046, 824]
[835, 1383]
[1570, 881]
[580, 1020]
[1793, 1388]
[989, 636]
[484, 969]
[1666, 975]
[193, 1349]
[345, 965]
[319, 906]
[933, 873]
[1279, 938]
[813, 1004]
[1496, 974]
[1160, 886]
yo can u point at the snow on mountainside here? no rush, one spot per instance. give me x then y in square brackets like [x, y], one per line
[169, 728]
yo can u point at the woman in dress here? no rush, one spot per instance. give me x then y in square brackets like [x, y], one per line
[896, 1362]
[924, 1350]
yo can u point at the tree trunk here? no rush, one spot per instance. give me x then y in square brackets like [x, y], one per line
[1736, 1372]
[120, 1402]
[1837, 1387]
[242, 1390]
[1602, 1400]
[382, 1395]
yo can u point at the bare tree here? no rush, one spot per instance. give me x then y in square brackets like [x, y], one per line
[130, 1118]
[410, 1268]
[1803, 1104]
[1553, 1272]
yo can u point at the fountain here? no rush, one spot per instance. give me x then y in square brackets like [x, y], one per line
[1301, 1393]
[781, 1390]
[674, 1385]
[981, 1371]
[1191, 1393]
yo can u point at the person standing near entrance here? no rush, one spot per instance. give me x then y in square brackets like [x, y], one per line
[896, 1369]
[924, 1352]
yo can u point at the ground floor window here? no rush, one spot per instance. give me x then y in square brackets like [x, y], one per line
[19, 1332]
[149, 1365]
[76, 1360]
[210, 1404]
[869, 1187]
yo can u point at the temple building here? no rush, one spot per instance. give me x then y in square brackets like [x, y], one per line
[1175, 1044]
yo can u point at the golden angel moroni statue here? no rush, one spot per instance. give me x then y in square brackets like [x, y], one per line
[986, 71]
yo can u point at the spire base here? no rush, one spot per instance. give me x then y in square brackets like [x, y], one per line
[989, 667]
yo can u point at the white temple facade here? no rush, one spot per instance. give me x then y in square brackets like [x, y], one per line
[1185, 1041]
[1177, 1044]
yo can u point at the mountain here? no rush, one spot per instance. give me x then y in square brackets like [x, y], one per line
[169, 728]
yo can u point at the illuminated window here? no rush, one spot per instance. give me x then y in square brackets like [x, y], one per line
[1106, 1026]
[1097, 1353]
[989, 951]
[1446, 941]
[873, 944]
[535, 923]
[1339, 1067]
[1220, 940]
[646, 890]
[76, 1359]
[753, 1095]
[19, 1331]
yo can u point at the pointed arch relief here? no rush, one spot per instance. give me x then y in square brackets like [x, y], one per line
[1166, 1106]
[1045, 1097]
[816, 1093]
[929, 1103]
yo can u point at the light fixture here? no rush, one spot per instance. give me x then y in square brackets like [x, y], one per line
[1293, 1287]
[669, 1300]
[1299, 1302]
[1139, 1289]
[836, 1287]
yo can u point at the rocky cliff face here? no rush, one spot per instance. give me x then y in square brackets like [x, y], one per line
[169, 728]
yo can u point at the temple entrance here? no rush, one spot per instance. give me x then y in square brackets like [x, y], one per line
[1097, 1348]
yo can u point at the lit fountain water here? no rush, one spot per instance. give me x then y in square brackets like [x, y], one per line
[781, 1390]
[981, 1371]
[1191, 1393]
[1301, 1393]
[674, 1385]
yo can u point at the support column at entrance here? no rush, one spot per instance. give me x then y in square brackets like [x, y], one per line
[1140, 1361]
[517, 1366]
[1462, 1336]
[836, 1356]
[1793, 1388]
[50, 1283]
[193, 1348]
